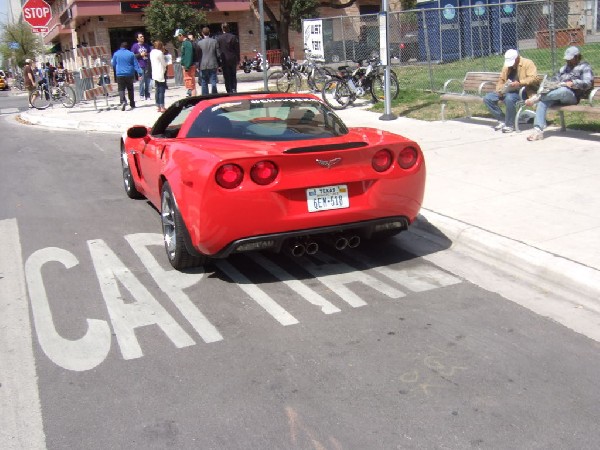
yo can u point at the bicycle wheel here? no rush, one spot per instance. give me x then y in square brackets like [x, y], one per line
[336, 93]
[318, 77]
[280, 81]
[67, 96]
[40, 98]
[378, 87]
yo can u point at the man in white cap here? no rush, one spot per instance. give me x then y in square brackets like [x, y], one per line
[517, 72]
[576, 79]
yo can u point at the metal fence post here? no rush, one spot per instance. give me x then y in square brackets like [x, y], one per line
[427, 49]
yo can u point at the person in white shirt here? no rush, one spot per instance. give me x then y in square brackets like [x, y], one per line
[158, 64]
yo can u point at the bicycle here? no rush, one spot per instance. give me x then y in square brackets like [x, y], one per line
[289, 78]
[345, 88]
[43, 96]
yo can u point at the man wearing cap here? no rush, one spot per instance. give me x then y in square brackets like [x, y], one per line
[187, 62]
[517, 72]
[28, 76]
[576, 82]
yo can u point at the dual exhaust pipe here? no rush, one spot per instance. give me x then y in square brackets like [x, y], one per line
[310, 247]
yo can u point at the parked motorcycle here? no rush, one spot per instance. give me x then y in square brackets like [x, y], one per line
[256, 63]
[350, 84]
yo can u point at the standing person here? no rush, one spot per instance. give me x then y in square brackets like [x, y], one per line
[187, 62]
[209, 62]
[159, 69]
[29, 76]
[61, 74]
[49, 73]
[577, 80]
[141, 50]
[229, 46]
[126, 65]
[516, 73]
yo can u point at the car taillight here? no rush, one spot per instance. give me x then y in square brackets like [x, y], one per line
[264, 172]
[382, 160]
[229, 176]
[408, 157]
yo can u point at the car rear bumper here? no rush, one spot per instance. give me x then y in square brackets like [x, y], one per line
[278, 241]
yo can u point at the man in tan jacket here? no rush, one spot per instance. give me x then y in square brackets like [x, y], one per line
[517, 72]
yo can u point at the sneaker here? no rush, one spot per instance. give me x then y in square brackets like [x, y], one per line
[532, 100]
[506, 129]
[537, 135]
[499, 126]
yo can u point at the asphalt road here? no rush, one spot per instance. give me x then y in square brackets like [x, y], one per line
[386, 346]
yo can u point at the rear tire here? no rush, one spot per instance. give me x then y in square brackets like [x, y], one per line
[283, 81]
[173, 233]
[377, 87]
[336, 93]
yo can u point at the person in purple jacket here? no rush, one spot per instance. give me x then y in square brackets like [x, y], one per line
[141, 50]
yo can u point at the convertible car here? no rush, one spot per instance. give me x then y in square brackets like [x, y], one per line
[234, 173]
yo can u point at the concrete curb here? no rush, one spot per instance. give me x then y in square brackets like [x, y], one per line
[508, 253]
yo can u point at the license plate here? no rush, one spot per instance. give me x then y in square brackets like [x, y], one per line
[327, 197]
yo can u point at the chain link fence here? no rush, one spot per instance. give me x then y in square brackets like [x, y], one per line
[432, 44]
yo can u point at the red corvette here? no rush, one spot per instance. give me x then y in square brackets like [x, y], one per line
[264, 171]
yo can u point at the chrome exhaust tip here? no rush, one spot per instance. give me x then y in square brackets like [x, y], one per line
[353, 241]
[341, 243]
[297, 249]
[311, 248]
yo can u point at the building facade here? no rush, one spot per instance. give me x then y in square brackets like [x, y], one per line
[88, 23]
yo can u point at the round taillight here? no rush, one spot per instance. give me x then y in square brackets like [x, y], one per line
[229, 176]
[382, 160]
[264, 172]
[408, 157]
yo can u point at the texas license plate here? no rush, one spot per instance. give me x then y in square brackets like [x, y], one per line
[327, 197]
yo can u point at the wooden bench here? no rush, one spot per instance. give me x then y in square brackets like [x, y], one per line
[589, 105]
[472, 89]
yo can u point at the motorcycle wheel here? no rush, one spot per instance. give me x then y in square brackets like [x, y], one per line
[336, 93]
[247, 70]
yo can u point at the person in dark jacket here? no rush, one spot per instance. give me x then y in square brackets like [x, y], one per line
[209, 62]
[229, 45]
[126, 65]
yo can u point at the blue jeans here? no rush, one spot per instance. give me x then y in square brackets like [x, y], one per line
[159, 93]
[562, 95]
[145, 80]
[208, 76]
[510, 100]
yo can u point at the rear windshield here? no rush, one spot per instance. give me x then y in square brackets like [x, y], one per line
[270, 119]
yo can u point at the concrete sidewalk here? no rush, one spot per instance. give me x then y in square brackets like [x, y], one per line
[536, 205]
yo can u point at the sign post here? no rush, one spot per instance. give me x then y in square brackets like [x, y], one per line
[38, 14]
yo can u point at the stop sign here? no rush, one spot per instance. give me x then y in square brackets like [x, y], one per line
[37, 13]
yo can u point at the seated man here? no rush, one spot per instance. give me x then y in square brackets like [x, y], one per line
[577, 81]
[516, 73]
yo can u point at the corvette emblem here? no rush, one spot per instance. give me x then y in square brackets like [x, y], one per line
[329, 164]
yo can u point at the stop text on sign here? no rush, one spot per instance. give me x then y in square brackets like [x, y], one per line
[36, 13]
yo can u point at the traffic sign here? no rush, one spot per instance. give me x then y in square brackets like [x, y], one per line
[37, 13]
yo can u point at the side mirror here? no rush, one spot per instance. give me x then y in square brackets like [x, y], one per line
[137, 132]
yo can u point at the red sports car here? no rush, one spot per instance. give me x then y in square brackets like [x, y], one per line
[269, 171]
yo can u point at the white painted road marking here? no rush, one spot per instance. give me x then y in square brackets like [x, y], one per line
[257, 294]
[21, 424]
[173, 283]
